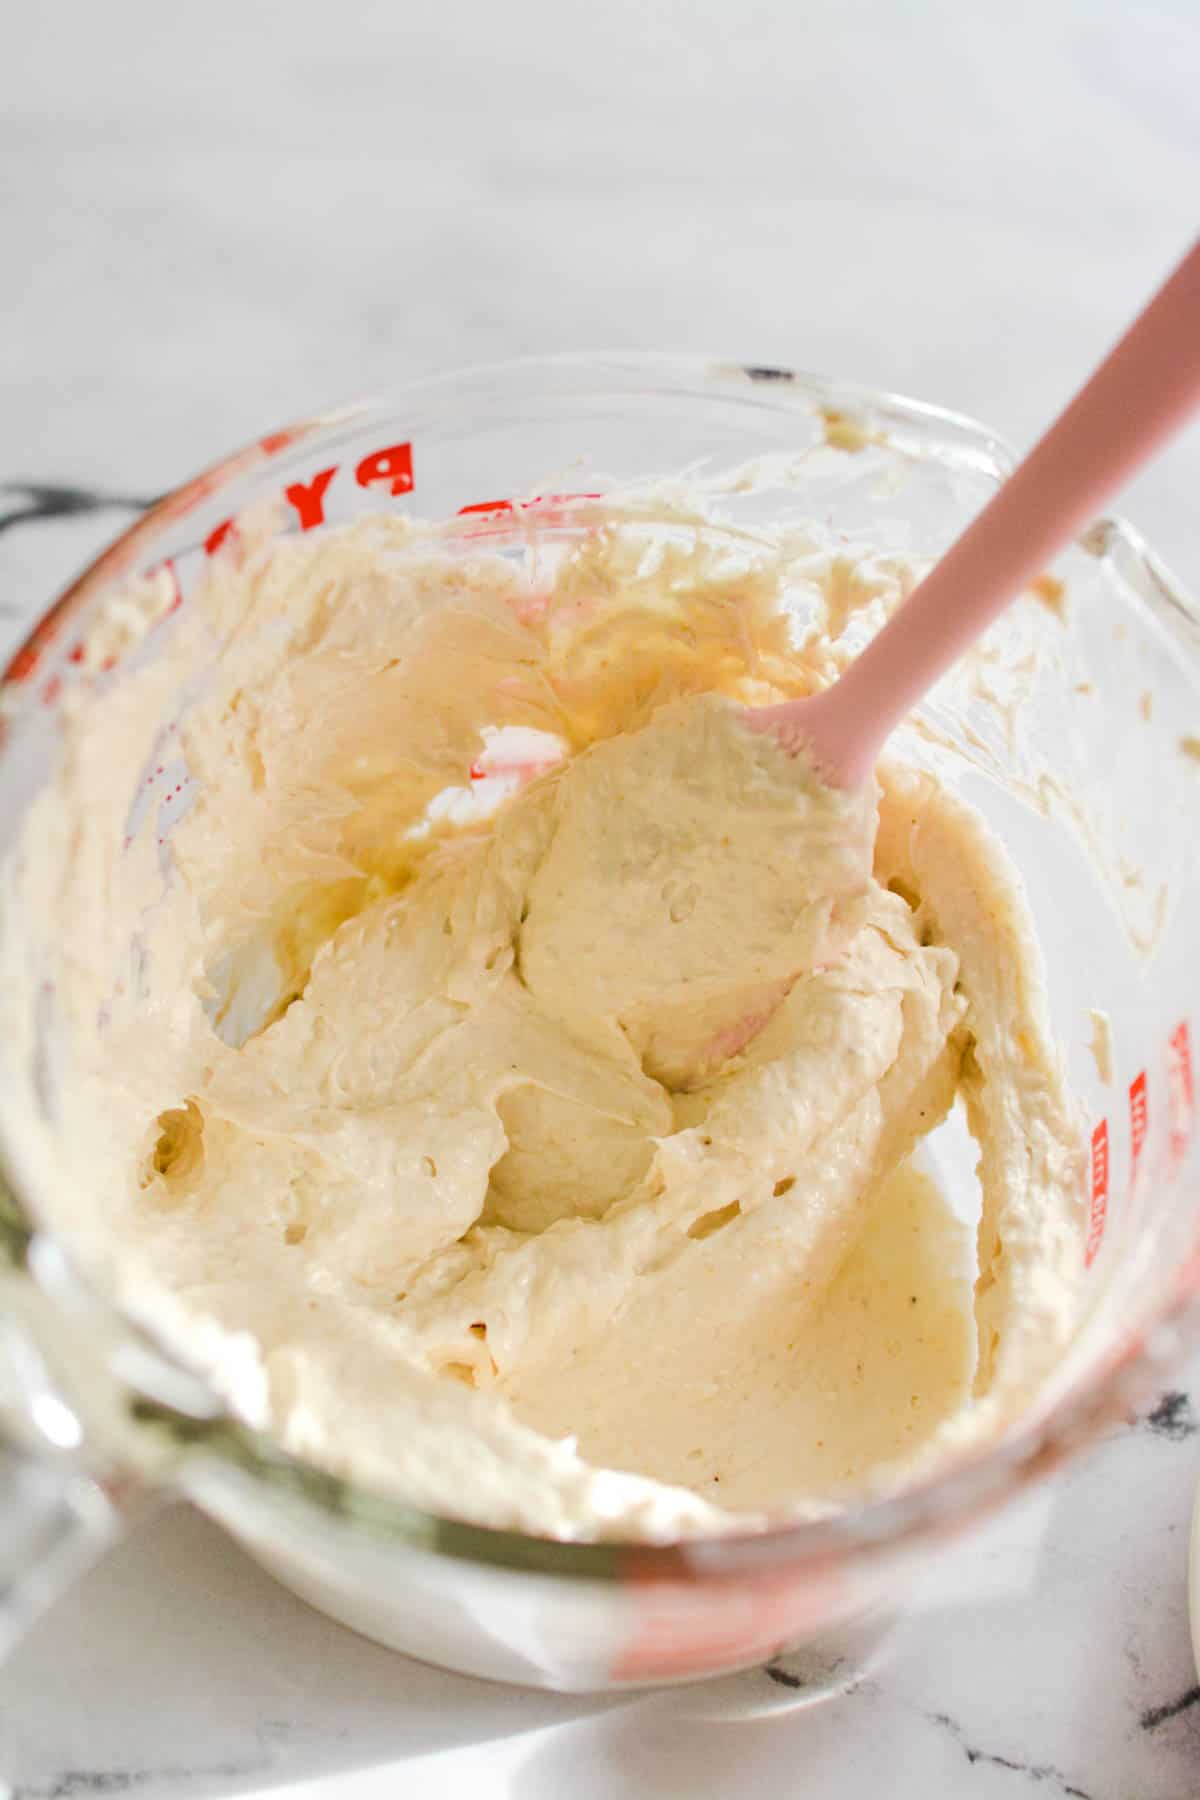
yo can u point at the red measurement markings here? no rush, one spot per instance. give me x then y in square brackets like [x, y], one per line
[391, 467]
[1099, 1207]
[308, 498]
[1181, 1093]
[217, 536]
[502, 506]
[1138, 1118]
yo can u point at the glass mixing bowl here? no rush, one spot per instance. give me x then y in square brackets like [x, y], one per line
[1090, 777]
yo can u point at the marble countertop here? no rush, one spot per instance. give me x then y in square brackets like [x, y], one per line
[222, 216]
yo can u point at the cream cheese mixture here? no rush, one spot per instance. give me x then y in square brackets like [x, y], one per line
[504, 1073]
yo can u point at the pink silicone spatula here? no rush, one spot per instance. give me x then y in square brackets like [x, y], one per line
[1142, 393]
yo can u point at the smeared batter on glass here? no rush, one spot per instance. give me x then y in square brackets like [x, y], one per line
[504, 1078]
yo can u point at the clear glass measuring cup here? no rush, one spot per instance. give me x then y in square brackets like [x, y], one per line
[1090, 775]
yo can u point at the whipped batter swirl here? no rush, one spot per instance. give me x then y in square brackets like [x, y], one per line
[504, 1078]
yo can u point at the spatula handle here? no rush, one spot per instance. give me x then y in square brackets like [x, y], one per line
[1139, 396]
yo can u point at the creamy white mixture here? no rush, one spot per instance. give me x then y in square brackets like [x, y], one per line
[499, 1069]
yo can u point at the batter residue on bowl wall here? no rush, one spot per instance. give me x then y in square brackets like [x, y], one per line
[472, 1067]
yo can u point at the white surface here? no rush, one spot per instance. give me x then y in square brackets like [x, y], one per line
[213, 218]
[1056, 1641]
[1194, 1581]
